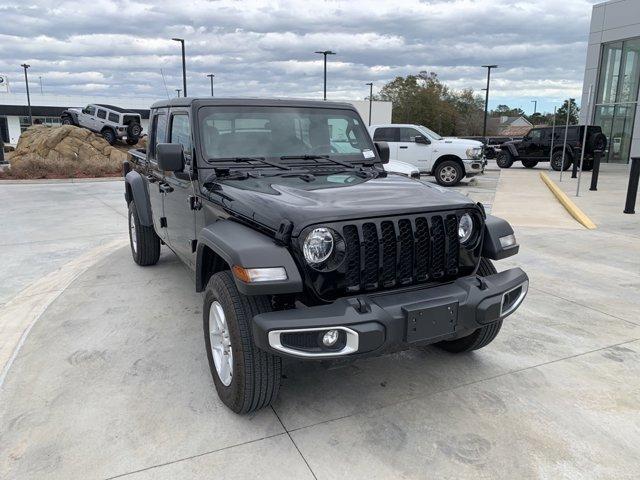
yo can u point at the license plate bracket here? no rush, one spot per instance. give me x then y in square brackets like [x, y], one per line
[430, 321]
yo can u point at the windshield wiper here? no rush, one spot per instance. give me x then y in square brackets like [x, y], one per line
[253, 159]
[317, 157]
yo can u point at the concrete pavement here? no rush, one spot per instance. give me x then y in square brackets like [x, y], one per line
[113, 382]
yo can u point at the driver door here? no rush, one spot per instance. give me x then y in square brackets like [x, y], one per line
[533, 147]
[418, 154]
[86, 118]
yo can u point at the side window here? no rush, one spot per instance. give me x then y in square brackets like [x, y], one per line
[385, 134]
[536, 135]
[181, 132]
[408, 134]
[102, 113]
[114, 117]
[90, 110]
[158, 133]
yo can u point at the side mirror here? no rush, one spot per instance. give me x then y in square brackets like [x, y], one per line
[421, 139]
[383, 151]
[170, 157]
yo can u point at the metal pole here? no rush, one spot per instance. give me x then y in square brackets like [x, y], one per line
[597, 155]
[584, 139]
[26, 81]
[535, 106]
[41, 90]
[1, 150]
[178, 91]
[564, 145]
[553, 133]
[211, 75]
[632, 189]
[325, 76]
[486, 98]
[370, 100]
[184, 66]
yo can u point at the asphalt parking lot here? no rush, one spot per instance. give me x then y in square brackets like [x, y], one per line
[112, 380]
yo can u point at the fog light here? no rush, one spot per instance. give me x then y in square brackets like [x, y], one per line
[330, 338]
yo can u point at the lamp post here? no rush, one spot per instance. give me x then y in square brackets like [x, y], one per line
[535, 106]
[370, 99]
[178, 92]
[26, 82]
[211, 75]
[41, 89]
[486, 98]
[184, 65]
[325, 53]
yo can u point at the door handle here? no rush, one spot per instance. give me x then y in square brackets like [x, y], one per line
[165, 187]
[404, 147]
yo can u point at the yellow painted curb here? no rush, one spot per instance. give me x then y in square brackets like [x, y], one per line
[566, 202]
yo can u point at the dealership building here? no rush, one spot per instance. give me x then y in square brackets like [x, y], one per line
[46, 109]
[613, 73]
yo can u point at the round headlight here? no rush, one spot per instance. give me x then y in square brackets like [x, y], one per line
[465, 228]
[318, 246]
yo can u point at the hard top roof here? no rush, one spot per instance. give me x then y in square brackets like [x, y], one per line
[114, 108]
[257, 102]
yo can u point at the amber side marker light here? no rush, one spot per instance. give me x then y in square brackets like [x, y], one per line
[256, 275]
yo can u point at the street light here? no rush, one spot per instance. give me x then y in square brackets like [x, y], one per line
[370, 99]
[486, 98]
[211, 75]
[178, 92]
[535, 106]
[184, 66]
[26, 82]
[41, 89]
[325, 53]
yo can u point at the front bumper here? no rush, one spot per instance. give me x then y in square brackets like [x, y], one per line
[375, 323]
[474, 167]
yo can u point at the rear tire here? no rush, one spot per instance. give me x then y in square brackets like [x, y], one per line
[255, 374]
[448, 173]
[504, 159]
[145, 243]
[529, 163]
[556, 161]
[109, 135]
[480, 337]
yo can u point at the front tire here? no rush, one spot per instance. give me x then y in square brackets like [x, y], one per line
[145, 243]
[66, 121]
[448, 173]
[504, 159]
[246, 377]
[529, 163]
[132, 141]
[481, 337]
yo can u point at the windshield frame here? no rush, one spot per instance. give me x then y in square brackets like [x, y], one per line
[203, 112]
[430, 133]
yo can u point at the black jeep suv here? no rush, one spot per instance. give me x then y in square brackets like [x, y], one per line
[304, 247]
[536, 147]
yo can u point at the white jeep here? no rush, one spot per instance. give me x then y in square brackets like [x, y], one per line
[113, 123]
[448, 159]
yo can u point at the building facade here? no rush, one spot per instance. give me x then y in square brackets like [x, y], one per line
[612, 73]
[46, 109]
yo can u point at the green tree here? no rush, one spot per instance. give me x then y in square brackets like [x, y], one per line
[561, 114]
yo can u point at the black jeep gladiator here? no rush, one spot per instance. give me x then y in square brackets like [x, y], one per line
[536, 147]
[304, 246]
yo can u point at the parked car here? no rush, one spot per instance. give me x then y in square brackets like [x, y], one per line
[535, 147]
[402, 168]
[305, 252]
[111, 122]
[448, 159]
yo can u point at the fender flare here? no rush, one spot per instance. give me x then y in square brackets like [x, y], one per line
[494, 229]
[73, 115]
[237, 244]
[136, 190]
[512, 150]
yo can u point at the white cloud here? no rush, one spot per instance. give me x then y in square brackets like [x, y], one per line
[266, 47]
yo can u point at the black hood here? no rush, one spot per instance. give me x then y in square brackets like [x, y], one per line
[301, 205]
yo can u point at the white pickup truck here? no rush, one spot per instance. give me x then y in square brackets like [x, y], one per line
[448, 159]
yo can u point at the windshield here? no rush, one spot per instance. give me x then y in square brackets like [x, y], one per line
[431, 133]
[275, 132]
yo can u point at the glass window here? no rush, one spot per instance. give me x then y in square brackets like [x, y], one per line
[409, 134]
[114, 117]
[609, 72]
[90, 110]
[102, 113]
[159, 130]
[386, 134]
[535, 135]
[283, 131]
[181, 132]
[630, 75]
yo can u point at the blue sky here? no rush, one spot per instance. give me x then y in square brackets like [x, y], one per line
[265, 48]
